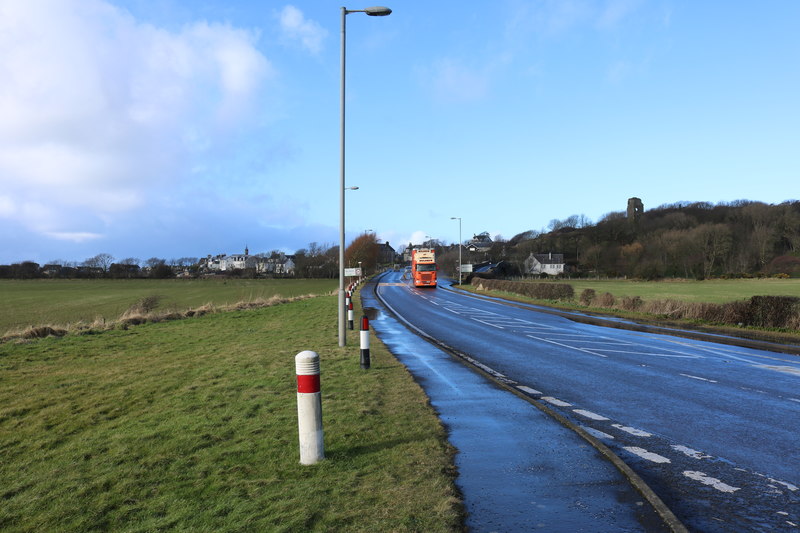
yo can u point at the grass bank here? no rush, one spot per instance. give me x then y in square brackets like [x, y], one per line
[754, 309]
[59, 302]
[706, 291]
[191, 425]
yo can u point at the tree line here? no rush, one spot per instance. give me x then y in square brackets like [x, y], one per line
[314, 261]
[684, 240]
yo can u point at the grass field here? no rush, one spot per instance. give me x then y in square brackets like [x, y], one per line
[190, 425]
[60, 302]
[708, 291]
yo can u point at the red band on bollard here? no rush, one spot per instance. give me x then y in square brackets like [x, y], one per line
[309, 384]
[364, 323]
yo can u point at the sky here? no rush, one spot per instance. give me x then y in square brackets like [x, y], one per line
[182, 128]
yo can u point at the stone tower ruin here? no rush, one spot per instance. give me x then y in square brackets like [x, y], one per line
[635, 209]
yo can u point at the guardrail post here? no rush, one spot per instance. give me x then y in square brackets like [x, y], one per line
[364, 333]
[309, 408]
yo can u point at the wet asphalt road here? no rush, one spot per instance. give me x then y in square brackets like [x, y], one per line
[713, 429]
[519, 470]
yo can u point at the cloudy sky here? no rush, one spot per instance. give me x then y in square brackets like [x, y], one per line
[180, 128]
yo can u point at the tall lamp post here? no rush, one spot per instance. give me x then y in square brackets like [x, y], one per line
[459, 247]
[373, 12]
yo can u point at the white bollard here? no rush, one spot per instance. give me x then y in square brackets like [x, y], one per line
[309, 408]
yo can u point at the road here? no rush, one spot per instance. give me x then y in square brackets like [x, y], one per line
[712, 428]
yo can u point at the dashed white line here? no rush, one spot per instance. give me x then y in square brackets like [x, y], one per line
[644, 454]
[596, 433]
[694, 454]
[705, 479]
[556, 401]
[789, 486]
[632, 431]
[528, 389]
[589, 414]
[794, 400]
[699, 378]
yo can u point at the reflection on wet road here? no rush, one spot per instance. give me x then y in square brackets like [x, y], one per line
[712, 428]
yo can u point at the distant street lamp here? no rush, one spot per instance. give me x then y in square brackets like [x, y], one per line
[459, 247]
[373, 12]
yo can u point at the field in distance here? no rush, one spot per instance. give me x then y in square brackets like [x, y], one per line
[708, 291]
[59, 302]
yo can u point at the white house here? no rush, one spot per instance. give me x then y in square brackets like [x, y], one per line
[550, 263]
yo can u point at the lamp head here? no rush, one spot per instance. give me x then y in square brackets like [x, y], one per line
[378, 11]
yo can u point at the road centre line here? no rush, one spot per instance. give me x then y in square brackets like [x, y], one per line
[567, 346]
[488, 323]
[528, 389]
[699, 378]
[655, 354]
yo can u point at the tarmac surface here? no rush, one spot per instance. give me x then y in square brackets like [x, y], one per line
[519, 468]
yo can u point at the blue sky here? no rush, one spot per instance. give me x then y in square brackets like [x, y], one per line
[180, 128]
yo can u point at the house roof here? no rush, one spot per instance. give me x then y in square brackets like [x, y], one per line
[549, 259]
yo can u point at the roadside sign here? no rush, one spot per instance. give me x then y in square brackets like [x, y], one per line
[466, 268]
[352, 272]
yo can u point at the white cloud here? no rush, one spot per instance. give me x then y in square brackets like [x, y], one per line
[296, 27]
[96, 108]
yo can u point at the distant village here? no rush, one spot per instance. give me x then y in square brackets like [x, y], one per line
[319, 262]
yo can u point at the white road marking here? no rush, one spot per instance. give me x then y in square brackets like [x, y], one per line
[632, 431]
[567, 346]
[528, 389]
[487, 323]
[794, 400]
[589, 414]
[789, 486]
[694, 454]
[596, 433]
[677, 355]
[699, 378]
[556, 401]
[644, 454]
[711, 481]
[784, 369]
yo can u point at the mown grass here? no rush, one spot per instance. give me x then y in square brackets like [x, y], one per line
[190, 425]
[706, 291]
[26, 303]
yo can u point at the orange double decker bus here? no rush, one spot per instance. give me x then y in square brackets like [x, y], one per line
[423, 267]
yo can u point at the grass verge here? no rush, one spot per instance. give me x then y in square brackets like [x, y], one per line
[191, 425]
[70, 302]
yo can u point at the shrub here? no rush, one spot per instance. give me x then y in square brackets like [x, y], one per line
[606, 300]
[588, 296]
[631, 303]
[773, 311]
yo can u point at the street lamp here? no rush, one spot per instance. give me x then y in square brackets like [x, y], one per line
[459, 247]
[373, 12]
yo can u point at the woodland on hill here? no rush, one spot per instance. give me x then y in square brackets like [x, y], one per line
[686, 240]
